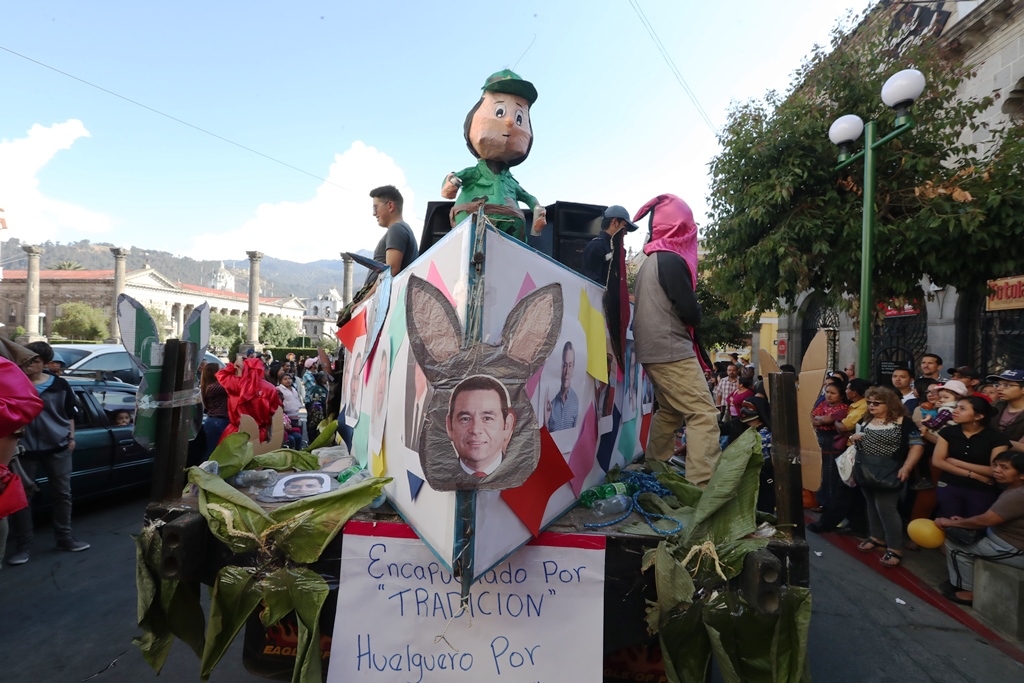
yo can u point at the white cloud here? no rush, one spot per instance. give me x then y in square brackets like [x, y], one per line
[334, 220]
[32, 216]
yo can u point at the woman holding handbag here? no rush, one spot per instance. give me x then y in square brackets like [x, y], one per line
[888, 446]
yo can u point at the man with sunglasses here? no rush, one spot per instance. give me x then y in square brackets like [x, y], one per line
[1010, 406]
[397, 248]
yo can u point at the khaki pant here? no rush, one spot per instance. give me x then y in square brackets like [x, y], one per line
[682, 394]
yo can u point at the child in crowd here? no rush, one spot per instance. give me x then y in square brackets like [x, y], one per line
[949, 393]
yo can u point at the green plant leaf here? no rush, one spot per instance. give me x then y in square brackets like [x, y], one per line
[234, 596]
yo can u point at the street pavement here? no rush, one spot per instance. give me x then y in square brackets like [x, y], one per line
[70, 617]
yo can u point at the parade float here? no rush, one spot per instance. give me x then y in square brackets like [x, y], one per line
[486, 393]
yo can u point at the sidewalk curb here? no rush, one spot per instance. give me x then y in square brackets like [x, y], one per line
[903, 578]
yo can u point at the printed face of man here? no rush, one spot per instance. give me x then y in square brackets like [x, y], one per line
[477, 428]
[302, 486]
[500, 129]
[929, 366]
[568, 364]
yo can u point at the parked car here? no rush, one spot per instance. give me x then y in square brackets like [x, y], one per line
[106, 459]
[110, 359]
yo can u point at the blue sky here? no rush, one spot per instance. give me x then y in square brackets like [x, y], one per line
[362, 94]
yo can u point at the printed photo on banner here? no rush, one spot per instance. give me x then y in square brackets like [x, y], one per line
[630, 394]
[418, 392]
[480, 430]
[352, 390]
[380, 374]
[647, 400]
[302, 485]
[604, 393]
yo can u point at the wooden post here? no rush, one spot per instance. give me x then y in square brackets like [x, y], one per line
[172, 427]
[786, 453]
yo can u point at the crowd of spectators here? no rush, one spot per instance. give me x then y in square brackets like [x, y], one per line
[948, 448]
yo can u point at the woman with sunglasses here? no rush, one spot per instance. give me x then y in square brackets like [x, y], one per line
[888, 446]
[964, 452]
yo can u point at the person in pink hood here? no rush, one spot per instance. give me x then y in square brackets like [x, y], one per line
[666, 318]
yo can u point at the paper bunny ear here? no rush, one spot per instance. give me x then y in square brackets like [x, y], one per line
[532, 328]
[435, 333]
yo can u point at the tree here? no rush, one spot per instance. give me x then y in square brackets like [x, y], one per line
[161, 321]
[68, 265]
[81, 321]
[225, 331]
[277, 331]
[719, 327]
[784, 222]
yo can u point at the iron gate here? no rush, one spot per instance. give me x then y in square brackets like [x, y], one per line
[819, 316]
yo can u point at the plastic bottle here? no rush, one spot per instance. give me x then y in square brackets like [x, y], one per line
[255, 478]
[357, 476]
[612, 507]
[347, 474]
[211, 466]
[588, 497]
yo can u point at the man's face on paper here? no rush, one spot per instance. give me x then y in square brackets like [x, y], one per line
[477, 429]
[500, 129]
[302, 486]
[568, 364]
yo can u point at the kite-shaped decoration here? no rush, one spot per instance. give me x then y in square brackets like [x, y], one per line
[530, 500]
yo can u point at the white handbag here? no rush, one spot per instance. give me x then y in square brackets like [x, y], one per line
[844, 463]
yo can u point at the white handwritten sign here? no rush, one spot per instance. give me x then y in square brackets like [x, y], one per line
[535, 618]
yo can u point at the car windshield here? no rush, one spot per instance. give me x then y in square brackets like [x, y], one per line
[71, 356]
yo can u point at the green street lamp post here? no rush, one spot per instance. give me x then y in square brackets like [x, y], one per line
[899, 92]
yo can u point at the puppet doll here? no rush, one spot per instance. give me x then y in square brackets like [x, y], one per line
[499, 134]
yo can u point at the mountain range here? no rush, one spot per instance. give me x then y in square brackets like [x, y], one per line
[279, 277]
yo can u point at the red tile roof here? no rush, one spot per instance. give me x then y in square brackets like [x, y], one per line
[225, 293]
[62, 275]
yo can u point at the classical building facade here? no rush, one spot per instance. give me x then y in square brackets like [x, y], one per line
[322, 314]
[175, 300]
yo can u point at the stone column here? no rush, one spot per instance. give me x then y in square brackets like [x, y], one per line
[346, 292]
[120, 259]
[32, 296]
[253, 338]
[178, 322]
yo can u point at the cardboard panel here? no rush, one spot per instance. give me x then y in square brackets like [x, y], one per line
[812, 374]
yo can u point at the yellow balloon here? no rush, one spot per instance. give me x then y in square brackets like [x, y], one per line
[924, 533]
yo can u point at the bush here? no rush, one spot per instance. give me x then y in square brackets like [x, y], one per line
[81, 322]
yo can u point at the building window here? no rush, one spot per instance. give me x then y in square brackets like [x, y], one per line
[314, 330]
[316, 310]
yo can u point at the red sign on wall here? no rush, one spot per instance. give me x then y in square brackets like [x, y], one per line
[782, 347]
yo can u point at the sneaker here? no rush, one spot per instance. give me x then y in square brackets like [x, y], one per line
[72, 544]
[20, 557]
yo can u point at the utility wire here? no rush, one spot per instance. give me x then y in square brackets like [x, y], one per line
[672, 66]
[176, 119]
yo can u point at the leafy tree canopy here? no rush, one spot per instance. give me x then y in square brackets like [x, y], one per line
[277, 331]
[784, 222]
[81, 321]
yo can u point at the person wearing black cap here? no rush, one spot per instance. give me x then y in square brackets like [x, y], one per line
[597, 255]
[1010, 407]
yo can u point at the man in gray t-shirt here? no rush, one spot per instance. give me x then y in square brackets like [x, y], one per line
[397, 248]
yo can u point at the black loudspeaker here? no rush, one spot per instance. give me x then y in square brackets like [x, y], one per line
[761, 581]
[570, 227]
